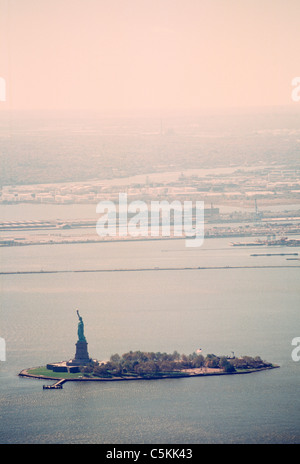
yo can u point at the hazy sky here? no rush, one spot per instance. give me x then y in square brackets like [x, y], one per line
[148, 54]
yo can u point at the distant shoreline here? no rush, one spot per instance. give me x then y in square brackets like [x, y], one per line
[196, 268]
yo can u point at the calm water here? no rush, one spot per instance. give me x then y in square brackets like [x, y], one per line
[248, 311]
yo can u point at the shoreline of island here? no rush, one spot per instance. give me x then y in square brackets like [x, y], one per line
[141, 365]
[176, 375]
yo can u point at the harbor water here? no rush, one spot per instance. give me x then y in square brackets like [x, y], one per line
[150, 296]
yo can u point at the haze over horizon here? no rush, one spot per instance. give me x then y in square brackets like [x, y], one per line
[146, 55]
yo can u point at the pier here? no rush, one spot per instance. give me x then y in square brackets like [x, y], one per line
[56, 386]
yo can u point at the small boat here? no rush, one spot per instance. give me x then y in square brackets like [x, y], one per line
[51, 387]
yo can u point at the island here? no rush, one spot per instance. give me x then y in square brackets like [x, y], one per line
[140, 365]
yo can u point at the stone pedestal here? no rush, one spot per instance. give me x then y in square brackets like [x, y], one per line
[81, 355]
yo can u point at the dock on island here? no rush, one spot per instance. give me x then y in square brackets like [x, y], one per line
[57, 385]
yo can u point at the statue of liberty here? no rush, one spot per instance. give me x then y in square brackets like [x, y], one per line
[81, 337]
